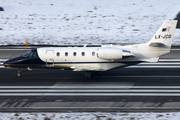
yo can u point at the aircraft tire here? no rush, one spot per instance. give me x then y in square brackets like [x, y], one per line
[88, 75]
[18, 74]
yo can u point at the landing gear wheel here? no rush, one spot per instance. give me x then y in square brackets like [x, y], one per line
[88, 75]
[18, 74]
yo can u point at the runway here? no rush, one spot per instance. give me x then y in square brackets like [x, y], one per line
[144, 87]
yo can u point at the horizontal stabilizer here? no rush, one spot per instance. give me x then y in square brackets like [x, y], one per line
[157, 44]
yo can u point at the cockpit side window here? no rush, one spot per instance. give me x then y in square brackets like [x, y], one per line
[35, 54]
[31, 54]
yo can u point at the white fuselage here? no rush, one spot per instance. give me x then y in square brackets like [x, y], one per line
[82, 58]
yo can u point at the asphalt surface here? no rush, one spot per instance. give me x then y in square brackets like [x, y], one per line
[145, 87]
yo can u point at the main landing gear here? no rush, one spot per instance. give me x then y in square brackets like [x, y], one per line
[19, 72]
[89, 75]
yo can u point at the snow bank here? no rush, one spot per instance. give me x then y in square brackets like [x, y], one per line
[91, 116]
[72, 22]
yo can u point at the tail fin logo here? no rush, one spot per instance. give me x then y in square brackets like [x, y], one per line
[163, 37]
[168, 29]
[165, 29]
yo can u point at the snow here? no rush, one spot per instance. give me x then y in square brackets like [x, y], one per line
[56, 22]
[92, 116]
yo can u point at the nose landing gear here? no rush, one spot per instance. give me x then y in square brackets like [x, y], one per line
[19, 72]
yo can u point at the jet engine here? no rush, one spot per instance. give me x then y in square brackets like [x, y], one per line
[112, 53]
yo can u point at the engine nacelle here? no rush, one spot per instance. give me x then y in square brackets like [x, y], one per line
[110, 53]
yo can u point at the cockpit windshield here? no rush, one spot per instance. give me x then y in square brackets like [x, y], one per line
[31, 53]
[26, 54]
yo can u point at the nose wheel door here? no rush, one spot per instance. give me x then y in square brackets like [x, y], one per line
[50, 58]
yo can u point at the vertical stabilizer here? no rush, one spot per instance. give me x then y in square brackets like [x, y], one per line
[164, 35]
[160, 44]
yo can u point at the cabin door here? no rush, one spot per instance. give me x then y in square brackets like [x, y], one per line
[50, 58]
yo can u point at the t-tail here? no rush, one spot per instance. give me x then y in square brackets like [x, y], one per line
[159, 45]
[163, 37]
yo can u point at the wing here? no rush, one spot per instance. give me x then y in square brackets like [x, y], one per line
[96, 66]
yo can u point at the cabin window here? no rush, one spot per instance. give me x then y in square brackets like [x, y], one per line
[58, 54]
[83, 53]
[30, 55]
[74, 53]
[93, 53]
[66, 53]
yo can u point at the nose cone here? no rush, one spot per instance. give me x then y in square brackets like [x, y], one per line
[10, 62]
[7, 63]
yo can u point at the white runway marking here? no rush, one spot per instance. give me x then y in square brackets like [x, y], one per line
[3, 59]
[143, 76]
[15, 49]
[169, 60]
[153, 67]
[90, 87]
[92, 91]
[160, 63]
[175, 49]
[89, 94]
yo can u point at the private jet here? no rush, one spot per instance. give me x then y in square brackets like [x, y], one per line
[94, 59]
